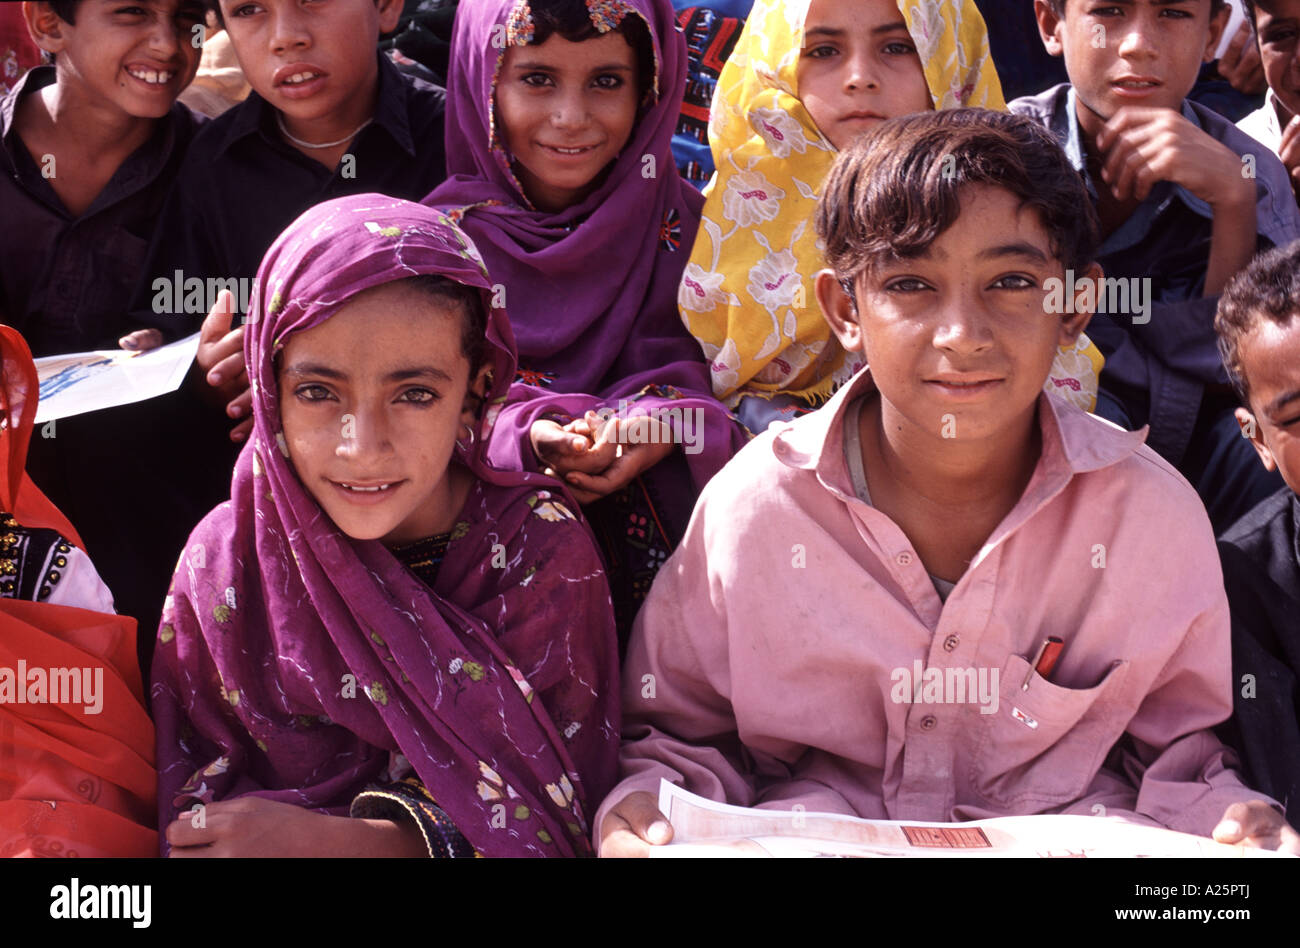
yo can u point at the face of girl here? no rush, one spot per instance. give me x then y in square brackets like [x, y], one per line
[565, 110]
[858, 67]
[372, 402]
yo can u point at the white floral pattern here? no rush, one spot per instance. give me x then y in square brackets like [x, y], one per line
[781, 132]
[751, 199]
[774, 280]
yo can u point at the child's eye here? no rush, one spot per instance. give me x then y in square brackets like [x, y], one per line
[1106, 11]
[1176, 14]
[312, 393]
[419, 396]
[609, 81]
[247, 9]
[132, 11]
[536, 79]
[906, 285]
[1015, 281]
[823, 51]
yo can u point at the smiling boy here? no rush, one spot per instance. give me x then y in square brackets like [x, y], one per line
[91, 149]
[92, 145]
[1185, 199]
[941, 509]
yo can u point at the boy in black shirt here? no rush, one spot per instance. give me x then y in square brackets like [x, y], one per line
[1258, 323]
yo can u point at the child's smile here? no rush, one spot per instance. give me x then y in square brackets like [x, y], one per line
[565, 110]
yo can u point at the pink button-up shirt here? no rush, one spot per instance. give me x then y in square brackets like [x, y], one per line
[776, 660]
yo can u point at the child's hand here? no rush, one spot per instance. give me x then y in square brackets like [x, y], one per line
[1257, 825]
[635, 445]
[221, 356]
[570, 448]
[1143, 146]
[253, 827]
[1289, 150]
[633, 826]
[142, 340]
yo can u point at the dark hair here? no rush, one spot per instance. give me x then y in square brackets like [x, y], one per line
[892, 192]
[572, 20]
[469, 299]
[65, 9]
[1268, 288]
[1058, 7]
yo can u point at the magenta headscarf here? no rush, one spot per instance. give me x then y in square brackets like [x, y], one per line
[274, 611]
[591, 290]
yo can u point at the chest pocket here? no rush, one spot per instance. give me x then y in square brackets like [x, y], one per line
[1044, 745]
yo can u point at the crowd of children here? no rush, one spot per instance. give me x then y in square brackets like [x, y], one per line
[515, 475]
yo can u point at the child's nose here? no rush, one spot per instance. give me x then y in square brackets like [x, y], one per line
[570, 111]
[963, 328]
[860, 72]
[1134, 41]
[363, 434]
[288, 30]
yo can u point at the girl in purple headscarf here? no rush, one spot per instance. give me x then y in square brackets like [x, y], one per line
[382, 645]
[560, 118]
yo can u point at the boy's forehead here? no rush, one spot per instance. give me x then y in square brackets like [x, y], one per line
[1080, 5]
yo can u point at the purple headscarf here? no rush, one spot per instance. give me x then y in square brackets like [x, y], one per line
[592, 289]
[274, 611]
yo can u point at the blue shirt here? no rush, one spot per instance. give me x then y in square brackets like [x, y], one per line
[1159, 369]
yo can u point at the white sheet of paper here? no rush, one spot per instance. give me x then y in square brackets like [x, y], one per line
[79, 382]
[702, 827]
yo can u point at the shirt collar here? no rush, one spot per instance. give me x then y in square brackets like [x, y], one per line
[1074, 442]
[38, 77]
[391, 113]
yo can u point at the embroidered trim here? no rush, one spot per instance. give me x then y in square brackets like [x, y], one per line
[520, 29]
[607, 14]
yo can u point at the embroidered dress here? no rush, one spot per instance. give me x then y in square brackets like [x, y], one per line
[747, 292]
[304, 666]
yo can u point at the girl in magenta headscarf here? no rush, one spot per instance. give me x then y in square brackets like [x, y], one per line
[560, 118]
[381, 645]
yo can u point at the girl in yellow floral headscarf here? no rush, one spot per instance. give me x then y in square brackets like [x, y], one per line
[805, 78]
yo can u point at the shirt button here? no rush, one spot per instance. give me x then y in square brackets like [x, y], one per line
[929, 722]
[904, 559]
[950, 642]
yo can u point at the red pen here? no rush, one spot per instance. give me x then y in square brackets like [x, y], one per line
[1045, 660]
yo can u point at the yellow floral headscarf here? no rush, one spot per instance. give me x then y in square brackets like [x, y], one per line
[746, 294]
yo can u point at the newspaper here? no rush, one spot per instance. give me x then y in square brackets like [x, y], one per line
[88, 381]
[704, 828]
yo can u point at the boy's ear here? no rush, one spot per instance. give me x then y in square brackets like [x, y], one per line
[839, 311]
[1218, 23]
[1250, 430]
[472, 407]
[1085, 304]
[390, 11]
[45, 26]
[1050, 26]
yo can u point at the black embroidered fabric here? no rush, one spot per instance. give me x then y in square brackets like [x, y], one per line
[32, 561]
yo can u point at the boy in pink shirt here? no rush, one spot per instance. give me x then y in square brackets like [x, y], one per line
[853, 619]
